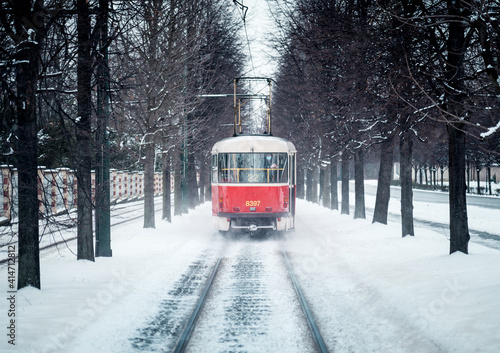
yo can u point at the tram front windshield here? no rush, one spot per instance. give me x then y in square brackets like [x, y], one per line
[253, 167]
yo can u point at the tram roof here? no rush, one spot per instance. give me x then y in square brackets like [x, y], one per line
[253, 143]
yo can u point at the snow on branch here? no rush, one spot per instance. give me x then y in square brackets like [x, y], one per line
[491, 131]
[51, 89]
[370, 128]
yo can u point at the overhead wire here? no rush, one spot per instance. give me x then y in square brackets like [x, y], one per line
[243, 14]
[244, 10]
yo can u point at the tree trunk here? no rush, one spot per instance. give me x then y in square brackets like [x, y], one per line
[345, 184]
[184, 177]
[468, 176]
[442, 178]
[359, 185]
[459, 229]
[315, 184]
[167, 206]
[309, 185]
[85, 243]
[300, 183]
[333, 186]
[326, 188]
[321, 185]
[177, 183]
[478, 176]
[192, 191]
[405, 154]
[149, 183]
[102, 182]
[488, 178]
[204, 172]
[384, 182]
[208, 180]
[26, 151]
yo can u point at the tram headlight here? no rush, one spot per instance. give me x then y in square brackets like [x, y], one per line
[220, 203]
[285, 203]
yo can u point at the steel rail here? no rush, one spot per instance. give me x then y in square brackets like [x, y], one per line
[318, 339]
[188, 329]
[65, 241]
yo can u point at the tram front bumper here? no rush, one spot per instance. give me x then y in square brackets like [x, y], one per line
[253, 227]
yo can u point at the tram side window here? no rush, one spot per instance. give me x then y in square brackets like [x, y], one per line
[214, 168]
[223, 168]
[283, 170]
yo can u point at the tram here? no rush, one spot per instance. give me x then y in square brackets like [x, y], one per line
[253, 183]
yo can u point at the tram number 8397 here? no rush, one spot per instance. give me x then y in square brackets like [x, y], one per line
[252, 203]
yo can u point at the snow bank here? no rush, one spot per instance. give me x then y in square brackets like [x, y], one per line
[408, 284]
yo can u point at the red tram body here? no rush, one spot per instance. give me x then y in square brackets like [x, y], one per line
[253, 183]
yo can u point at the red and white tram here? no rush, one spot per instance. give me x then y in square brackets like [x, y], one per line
[253, 183]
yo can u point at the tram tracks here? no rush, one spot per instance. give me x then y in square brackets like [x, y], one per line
[316, 334]
[188, 330]
[250, 306]
[70, 223]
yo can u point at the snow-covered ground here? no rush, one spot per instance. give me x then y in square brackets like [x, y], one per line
[481, 219]
[370, 289]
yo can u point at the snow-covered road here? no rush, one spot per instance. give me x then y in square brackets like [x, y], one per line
[369, 289]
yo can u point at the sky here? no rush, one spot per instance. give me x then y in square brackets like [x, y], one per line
[369, 289]
[255, 32]
[259, 26]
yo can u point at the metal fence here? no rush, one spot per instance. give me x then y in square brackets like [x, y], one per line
[57, 190]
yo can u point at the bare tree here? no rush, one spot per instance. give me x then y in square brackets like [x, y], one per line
[454, 97]
[28, 43]
[156, 40]
[25, 24]
[179, 51]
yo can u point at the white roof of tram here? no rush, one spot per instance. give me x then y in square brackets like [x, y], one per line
[253, 143]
